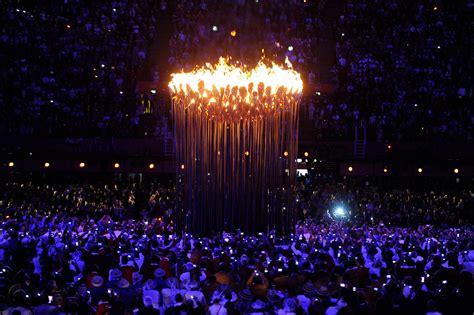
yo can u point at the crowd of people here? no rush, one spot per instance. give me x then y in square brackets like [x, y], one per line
[109, 247]
[403, 71]
[399, 202]
[71, 69]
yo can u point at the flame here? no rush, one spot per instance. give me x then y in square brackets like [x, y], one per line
[226, 84]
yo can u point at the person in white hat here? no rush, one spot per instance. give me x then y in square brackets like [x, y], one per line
[159, 280]
[290, 307]
[193, 293]
[97, 289]
[191, 271]
[126, 293]
[114, 276]
[137, 280]
[258, 307]
[149, 289]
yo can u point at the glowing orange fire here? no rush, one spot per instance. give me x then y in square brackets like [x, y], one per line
[235, 88]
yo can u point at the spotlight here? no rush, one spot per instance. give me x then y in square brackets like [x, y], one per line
[233, 33]
[306, 154]
[82, 165]
[116, 165]
[420, 170]
[214, 28]
[456, 170]
[285, 153]
[385, 170]
[11, 164]
[389, 146]
[350, 168]
[339, 212]
[46, 164]
[290, 48]
[151, 166]
[247, 153]
[182, 166]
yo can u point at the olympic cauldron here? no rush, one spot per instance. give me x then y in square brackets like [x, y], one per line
[236, 133]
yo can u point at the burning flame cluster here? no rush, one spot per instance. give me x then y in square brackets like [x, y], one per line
[225, 87]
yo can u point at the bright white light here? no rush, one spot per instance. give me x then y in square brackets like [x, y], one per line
[339, 212]
[302, 172]
[153, 91]
[214, 28]
[290, 48]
